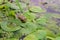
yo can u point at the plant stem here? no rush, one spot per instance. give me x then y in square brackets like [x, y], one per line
[19, 5]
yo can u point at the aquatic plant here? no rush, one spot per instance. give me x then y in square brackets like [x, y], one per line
[17, 24]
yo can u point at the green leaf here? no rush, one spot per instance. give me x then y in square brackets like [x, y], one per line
[25, 31]
[9, 34]
[49, 38]
[29, 16]
[57, 38]
[13, 6]
[12, 13]
[1, 31]
[7, 27]
[1, 1]
[40, 34]
[12, 39]
[50, 33]
[30, 37]
[31, 27]
[19, 5]
[37, 9]
[1, 6]
[41, 20]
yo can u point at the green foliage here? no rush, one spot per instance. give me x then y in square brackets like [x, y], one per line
[29, 16]
[37, 9]
[40, 34]
[30, 37]
[1, 1]
[9, 27]
[57, 38]
[12, 27]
